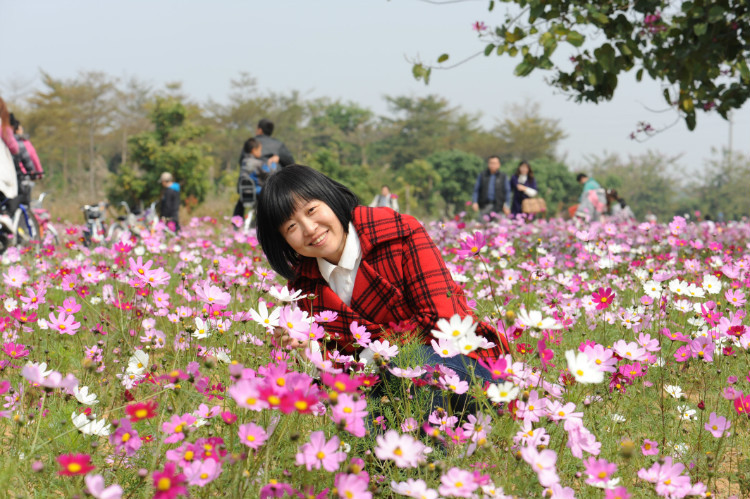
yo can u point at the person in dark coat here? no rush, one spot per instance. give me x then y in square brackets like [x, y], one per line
[271, 146]
[522, 185]
[169, 206]
[491, 191]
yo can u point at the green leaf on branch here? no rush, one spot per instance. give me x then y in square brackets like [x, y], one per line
[524, 68]
[605, 55]
[744, 71]
[700, 29]
[575, 38]
[715, 14]
[639, 75]
[443, 58]
[489, 48]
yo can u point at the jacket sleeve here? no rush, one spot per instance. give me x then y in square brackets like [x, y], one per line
[507, 193]
[9, 139]
[34, 157]
[285, 157]
[477, 185]
[433, 294]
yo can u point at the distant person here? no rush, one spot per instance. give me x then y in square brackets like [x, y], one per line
[271, 146]
[8, 148]
[385, 198]
[593, 200]
[523, 186]
[30, 163]
[491, 190]
[253, 167]
[169, 206]
[618, 208]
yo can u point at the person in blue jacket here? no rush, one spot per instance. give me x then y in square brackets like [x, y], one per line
[169, 206]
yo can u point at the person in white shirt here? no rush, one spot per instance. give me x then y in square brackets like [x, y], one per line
[385, 198]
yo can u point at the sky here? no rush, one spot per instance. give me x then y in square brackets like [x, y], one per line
[353, 50]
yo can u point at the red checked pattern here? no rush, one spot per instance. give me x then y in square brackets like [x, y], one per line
[402, 277]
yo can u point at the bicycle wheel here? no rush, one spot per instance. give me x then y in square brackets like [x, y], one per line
[28, 232]
[114, 232]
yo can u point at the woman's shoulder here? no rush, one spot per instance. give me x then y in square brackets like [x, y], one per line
[378, 225]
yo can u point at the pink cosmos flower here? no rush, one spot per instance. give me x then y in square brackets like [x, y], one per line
[201, 473]
[543, 463]
[600, 471]
[717, 425]
[351, 413]
[63, 323]
[603, 298]
[252, 435]
[319, 452]
[702, 348]
[384, 349]
[735, 297]
[472, 245]
[168, 484]
[213, 296]
[15, 350]
[403, 450]
[618, 493]
[125, 438]
[176, 427]
[457, 483]
[667, 476]
[95, 487]
[351, 486]
[649, 447]
[295, 322]
[16, 276]
[247, 394]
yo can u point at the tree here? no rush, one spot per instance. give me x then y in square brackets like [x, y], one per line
[697, 49]
[458, 172]
[419, 182]
[173, 146]
[721, 191]
[524, 133]
[422, 126]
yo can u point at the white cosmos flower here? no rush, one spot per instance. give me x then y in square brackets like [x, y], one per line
[91, 426]
[686, 413]
[534, 319]
[284, 294]
[42, 366]
[583, 369]
[674, 390]
[618, 418]
[265, 319]
[138, 362]
[454, 328]
[83, 396]
[652, 289]
[695, 291]
[677, 287]
[711, 284]
[201, 329]
[503, 392]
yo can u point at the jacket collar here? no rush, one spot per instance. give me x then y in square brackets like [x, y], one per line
[374, 227]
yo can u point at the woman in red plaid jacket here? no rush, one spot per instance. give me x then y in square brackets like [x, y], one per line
[370, 265]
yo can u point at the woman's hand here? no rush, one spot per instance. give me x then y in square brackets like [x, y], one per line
[282, 338]
[521, 187]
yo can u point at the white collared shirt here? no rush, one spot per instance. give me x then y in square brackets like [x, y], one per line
[341, 277]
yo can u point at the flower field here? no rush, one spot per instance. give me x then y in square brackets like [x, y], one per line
[145, 367]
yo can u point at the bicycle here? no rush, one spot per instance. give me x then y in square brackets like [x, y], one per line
[95, 229]
[249, 191]
[43, 217]
[24, 229]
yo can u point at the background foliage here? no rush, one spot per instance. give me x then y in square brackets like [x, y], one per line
[99, 135]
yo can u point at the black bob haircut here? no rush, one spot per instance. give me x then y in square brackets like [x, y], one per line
[580, 176]
[286, 190]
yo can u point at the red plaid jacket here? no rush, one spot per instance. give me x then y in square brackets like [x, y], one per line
[401, 278]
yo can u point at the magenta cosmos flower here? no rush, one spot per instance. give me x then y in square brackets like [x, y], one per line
[603, 298]
[169, 484]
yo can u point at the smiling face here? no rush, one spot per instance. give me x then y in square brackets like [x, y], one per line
[315, 231]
